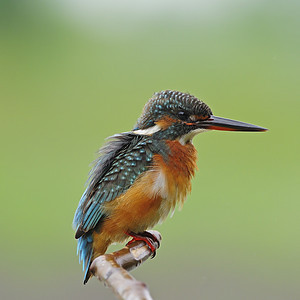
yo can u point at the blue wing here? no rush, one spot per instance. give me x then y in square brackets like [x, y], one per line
[121, 161]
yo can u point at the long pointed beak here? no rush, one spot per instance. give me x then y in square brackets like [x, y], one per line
[218, 123]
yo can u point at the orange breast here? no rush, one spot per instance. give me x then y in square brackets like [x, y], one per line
[136, 210]
[153, 195]
[178, 172]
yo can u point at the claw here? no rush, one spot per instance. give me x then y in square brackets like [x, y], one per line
[147, 237]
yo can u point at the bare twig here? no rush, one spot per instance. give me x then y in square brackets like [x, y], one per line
[112, 270]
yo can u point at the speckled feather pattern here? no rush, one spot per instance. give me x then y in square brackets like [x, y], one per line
[170, 103]
[141, 175]
[122, 160]
[133, 157]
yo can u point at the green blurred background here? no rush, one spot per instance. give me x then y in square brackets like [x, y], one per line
[75, 72]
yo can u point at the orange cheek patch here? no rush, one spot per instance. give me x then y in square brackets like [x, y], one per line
[199, 118]
[165, 122]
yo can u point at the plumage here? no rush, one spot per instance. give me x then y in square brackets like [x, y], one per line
[142, 174]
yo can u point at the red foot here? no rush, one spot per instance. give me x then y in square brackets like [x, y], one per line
[147, 237]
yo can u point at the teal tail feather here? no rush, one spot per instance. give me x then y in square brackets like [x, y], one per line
[85, 252]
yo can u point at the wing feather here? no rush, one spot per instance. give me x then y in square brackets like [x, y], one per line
[125, 157]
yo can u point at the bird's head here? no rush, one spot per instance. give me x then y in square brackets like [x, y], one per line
[174, 115]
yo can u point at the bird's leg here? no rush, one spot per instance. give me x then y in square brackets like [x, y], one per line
[147, 237]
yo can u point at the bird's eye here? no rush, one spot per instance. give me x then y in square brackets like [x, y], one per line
[182, 115]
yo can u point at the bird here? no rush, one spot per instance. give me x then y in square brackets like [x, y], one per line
[141, 175]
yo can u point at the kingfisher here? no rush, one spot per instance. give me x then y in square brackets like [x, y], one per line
[141, 175]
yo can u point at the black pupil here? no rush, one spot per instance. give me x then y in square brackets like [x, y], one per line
[183, 115]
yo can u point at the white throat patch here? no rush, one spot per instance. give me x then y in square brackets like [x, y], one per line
[189, 136]
[183, 139]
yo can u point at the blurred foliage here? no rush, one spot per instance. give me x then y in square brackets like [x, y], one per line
[66, 85]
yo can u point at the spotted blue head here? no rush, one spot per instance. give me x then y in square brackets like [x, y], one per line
[175, 115]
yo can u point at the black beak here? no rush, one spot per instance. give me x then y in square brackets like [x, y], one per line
[217, 123]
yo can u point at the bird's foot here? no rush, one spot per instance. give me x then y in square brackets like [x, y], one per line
[152, 242]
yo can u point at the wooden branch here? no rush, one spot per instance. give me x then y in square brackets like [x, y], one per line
[112, 270]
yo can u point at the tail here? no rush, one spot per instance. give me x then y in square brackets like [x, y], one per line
[85, 252]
